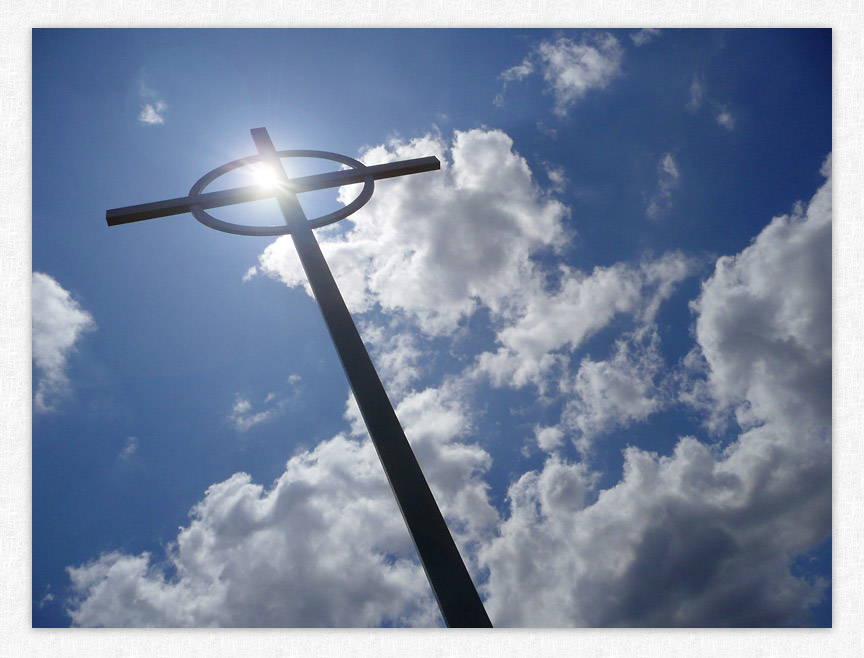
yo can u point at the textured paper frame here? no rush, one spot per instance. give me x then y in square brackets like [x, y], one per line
[17, 638]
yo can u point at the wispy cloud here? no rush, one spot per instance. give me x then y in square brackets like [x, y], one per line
[518, 72]
[668, 179]
[644, 35]
[244, 416]
[130, 449]
[698, 97]
[557, 177]
[153, 114]
[58, 323]
[697, 93]
[153, 110]
[725, 119]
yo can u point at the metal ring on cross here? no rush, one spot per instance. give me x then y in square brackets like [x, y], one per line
[242, 229]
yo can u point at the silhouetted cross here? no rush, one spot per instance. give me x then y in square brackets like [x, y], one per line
[458, 599]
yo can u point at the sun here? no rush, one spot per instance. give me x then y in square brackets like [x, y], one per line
[264, 176]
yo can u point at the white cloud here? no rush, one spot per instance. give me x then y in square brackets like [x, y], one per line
[704, 536]
[531, 347]
[541, 348]
[324, 546]
[644, 35]
[668, 180]
[697, 98]
[58, 323]
[614, 393]
[273, 557]
[153, 114]
[396, 354]
[549, 438]
[243, 416]
[686, 540]
[250, 274]
[557, 177]
[130, 449]
[518, 72]
[580, 307]
[697, 93]
[153, 110]
[434, 420]
[570, 68]
[764, 320]
[436, 247]
[725, 119]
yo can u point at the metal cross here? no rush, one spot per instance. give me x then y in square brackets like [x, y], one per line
[457, 598]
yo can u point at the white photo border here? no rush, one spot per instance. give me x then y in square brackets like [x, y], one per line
[18, 638]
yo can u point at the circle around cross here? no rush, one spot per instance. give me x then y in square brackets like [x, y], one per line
[242, 229]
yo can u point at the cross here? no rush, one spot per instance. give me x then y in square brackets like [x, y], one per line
[457, 598]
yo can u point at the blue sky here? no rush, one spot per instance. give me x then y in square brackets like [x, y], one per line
[605, 325]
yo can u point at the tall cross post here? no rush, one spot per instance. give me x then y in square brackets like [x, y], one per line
[455, 592]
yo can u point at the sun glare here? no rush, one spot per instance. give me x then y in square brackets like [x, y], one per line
[264, 175]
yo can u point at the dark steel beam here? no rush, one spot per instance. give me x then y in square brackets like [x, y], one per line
[451, 584]
[180, 205]
[457, 597]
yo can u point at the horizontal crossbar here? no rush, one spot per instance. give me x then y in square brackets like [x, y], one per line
[237, 195]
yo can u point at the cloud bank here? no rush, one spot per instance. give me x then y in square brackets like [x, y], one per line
[281, 556]
[706, 535]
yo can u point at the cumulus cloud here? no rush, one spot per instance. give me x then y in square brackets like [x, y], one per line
[531, 347]
[58, 324]
[437, 422]
[615, 392]
[273, 557]
[397, 356]
[549, 438]
[704, 536]
[764, 326]
[324, 546]
[668, 179]
[436, 247]
[570, 68]
[542, 348]
[685, 540]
